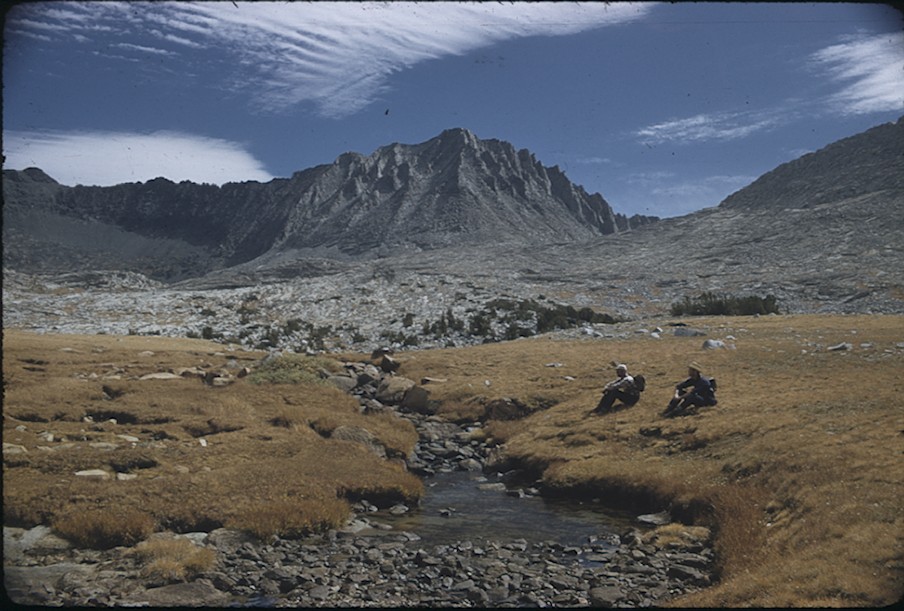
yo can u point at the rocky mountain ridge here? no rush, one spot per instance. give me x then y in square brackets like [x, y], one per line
[815, 236]
[454, 189]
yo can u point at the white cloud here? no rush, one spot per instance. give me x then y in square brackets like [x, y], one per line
[706, 127]
[872, 70]
[110, 158]
[144, 49]
[594, 160]
[336, 55]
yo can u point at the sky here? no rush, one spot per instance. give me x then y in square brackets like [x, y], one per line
[662, 108]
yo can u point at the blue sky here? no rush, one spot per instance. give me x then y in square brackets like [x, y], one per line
[661, 108]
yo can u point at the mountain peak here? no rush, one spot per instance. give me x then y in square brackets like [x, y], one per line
[451, 190]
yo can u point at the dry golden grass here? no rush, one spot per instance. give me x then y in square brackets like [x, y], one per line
[173, 560]
[798, 471]
[205, 456]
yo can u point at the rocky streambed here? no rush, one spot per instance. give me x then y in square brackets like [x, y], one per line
[467, 552]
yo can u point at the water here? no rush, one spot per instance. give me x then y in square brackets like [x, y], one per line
[456, 508]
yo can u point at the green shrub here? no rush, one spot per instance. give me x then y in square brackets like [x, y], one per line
[293, 369]
[715, 304]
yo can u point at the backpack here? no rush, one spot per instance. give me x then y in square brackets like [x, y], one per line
[640, 383]
[712, 384]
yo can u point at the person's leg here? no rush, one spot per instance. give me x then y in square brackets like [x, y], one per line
[691, 403]
[606, 402]
[673, 404]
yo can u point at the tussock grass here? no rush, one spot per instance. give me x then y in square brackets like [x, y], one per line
[204, 457]
[104, 528]
[169, 560]
[798, 471]
[290, 517]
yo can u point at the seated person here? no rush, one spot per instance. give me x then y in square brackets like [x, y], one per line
[620, 389]
[700, 392]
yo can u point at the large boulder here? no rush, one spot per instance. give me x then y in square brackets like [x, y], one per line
[417, 399]
[506, 409]
[392, 390]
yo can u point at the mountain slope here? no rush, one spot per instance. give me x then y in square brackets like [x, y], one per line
[453, 189]
[866, 163]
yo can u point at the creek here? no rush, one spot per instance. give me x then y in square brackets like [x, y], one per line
[467, 506]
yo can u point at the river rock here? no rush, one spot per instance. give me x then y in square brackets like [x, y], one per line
[199, 593]
[606, 596]
[657, 519]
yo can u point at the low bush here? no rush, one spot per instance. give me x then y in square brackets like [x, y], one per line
[293, 369]
[714, 304]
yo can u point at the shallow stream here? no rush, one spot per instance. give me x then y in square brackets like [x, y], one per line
[468, 506]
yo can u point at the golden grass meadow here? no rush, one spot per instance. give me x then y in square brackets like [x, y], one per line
[799, 471]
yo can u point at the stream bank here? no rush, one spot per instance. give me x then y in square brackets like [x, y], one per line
[482, 536]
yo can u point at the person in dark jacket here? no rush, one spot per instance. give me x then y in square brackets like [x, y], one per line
[622, 389]
[696, 391]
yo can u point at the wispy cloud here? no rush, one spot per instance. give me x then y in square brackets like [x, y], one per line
[143, 49]
[666, 194]
[336, 55]
[110, 158]
[706, 127]
[594, 160]
[871, 70]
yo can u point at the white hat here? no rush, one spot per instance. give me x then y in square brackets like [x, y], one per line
[621, 366]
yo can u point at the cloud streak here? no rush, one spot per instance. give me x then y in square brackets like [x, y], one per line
[871, 70]
[338, 56]
[110, 158]
[706, 127]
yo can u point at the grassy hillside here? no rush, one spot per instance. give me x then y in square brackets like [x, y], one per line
[799, 469]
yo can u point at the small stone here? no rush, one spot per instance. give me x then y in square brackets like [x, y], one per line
[93, 474]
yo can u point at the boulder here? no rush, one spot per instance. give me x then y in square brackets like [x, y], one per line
[606, 596]
[389, 364]
[392, 390]
[199, 593]
[417, 398]
[93, 474]
[506, 409]
[688, 332]
[161, 375]
[343, 383]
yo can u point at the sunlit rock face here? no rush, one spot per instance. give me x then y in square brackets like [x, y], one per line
[454, 189]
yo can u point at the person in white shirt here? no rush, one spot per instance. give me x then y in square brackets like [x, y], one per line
[620, 389]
